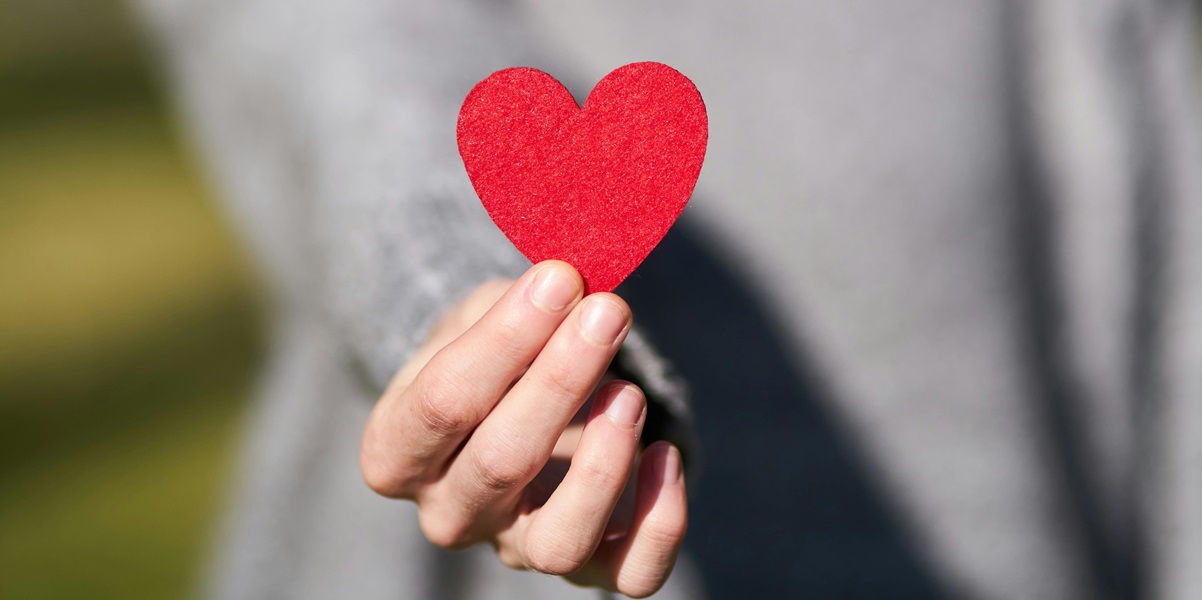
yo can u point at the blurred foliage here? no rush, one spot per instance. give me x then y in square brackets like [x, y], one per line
[129, 329]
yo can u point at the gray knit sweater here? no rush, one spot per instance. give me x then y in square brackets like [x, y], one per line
[938, 296]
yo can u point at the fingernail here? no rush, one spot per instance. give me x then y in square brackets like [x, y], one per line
[602, 321]
[672, 464]
[625, 406]
[554, 289]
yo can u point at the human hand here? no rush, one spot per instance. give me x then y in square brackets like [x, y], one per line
[476, 427]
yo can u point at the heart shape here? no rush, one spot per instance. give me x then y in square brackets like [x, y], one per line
[598, 186]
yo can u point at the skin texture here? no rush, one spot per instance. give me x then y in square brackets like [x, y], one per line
[498, 431]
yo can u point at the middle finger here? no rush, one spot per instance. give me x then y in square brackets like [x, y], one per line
[515, 441]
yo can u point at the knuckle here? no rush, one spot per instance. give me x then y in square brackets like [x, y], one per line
[445, 531]
[378, 465]
[440, 407]
[556, 559]
[664, 532]
[500, 469]
[559, 380]
[661, 539]
[383, 479]
[599, 473]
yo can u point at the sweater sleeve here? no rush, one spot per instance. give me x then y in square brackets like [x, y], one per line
[331, 127]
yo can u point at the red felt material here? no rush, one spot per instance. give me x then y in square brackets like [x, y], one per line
[596, 187]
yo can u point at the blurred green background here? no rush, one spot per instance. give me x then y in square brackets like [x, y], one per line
[129, 325]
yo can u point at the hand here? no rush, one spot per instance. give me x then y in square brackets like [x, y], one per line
[477, 426]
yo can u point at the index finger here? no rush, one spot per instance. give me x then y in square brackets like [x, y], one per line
[413, 431]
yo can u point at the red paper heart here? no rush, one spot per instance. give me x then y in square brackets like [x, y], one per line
[596, 187]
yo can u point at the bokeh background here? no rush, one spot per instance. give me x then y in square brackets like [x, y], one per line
[129, 320]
